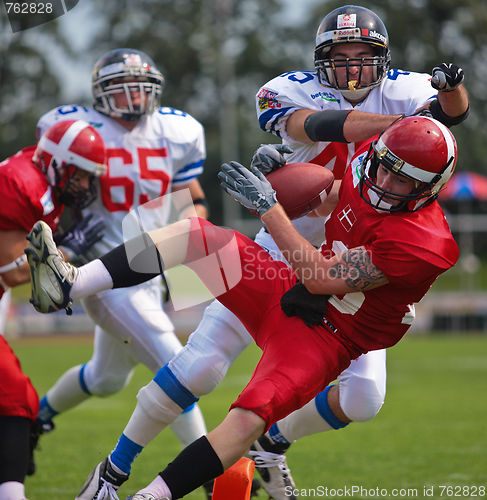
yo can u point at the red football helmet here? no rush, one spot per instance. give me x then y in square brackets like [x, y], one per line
[417, 147]
[66, 147]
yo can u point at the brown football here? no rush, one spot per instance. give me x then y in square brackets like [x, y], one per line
[301, 187]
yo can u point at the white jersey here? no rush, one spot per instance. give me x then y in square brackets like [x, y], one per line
[164, 150]
[401, 92]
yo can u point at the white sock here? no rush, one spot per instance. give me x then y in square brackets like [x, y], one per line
[12, 490]
[66, 392]
[303, 422]
[92, 278]
[158, 488]
[189, 426]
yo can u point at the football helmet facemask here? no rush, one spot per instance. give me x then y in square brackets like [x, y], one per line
[126, 84]
[352, 24]
[417, 147]
[64, 148]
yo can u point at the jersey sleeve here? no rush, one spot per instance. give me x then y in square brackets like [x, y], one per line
[67, 112]
[404, 92]
[280, 97]
[17, 210]
[408, 263]
[192, 163]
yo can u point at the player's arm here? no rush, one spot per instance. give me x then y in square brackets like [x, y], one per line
[198, 201]
[350, 271]
[451, 105]
[308, 126]
[14, 269]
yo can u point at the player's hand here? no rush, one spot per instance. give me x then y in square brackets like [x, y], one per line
[82, 236]
[423, 111]
[249, 188]
[446, 77]
[269, 157]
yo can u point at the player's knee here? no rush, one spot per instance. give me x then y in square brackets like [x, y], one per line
[361, 399]
[108, 385]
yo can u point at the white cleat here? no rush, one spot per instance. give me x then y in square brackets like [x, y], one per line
[51, 276]
[273, 470]
[103, 483]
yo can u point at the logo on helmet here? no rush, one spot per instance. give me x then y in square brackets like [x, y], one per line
[346, 21]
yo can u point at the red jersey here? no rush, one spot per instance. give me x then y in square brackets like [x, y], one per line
[411, 249]
[26, 195]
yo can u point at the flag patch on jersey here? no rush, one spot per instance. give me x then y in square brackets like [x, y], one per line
[267, 99]
[347, 218]
[46, 202]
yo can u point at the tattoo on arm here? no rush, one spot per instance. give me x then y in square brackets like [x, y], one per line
[355, 267]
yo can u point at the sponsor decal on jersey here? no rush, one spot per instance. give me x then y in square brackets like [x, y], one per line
[267, 99]
[46, 202]
[379, 36]
[327, 96]
[346, 21]
[347, 218]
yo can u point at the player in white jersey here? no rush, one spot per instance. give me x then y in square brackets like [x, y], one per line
[151, 151]
[377, 99]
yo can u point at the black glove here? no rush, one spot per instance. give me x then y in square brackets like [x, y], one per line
[269, 157]
[82, 236]
[446, 77]
[310, 307]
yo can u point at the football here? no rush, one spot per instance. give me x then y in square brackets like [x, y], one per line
[301, 187]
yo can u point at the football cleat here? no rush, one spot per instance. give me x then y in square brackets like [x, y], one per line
[103, 483]
[270, 462]
[145, 496]
[51, 276]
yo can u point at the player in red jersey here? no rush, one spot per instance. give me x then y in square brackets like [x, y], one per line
[363, 284]
[37, 183]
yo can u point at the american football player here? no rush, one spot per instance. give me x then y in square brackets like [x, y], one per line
[368, 274]
[36, 184]
[375, 98]
[152, 151]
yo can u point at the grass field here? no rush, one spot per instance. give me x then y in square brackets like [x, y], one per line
[432, 431]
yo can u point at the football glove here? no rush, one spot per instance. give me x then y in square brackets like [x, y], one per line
[446, 77]
[82, 236]
[269, 157]
[310, 307]
[250, 189]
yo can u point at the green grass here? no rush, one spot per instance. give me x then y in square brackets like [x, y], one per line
[432, 430]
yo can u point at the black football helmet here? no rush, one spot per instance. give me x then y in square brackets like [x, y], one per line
[349, 24]
[122, 71]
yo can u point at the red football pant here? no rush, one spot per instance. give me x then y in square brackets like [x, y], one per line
[297, 361]
[18, 398]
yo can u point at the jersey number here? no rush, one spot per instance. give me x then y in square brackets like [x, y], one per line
[108, 182]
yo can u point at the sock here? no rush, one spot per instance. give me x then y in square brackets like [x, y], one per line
[158, 488]
[46, 412]
[194, 466]
[92, 278]
[124, 454]
[315, 416]
[69, 391]
[12, 490]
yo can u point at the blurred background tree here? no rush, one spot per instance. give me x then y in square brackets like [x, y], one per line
[215, 55]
